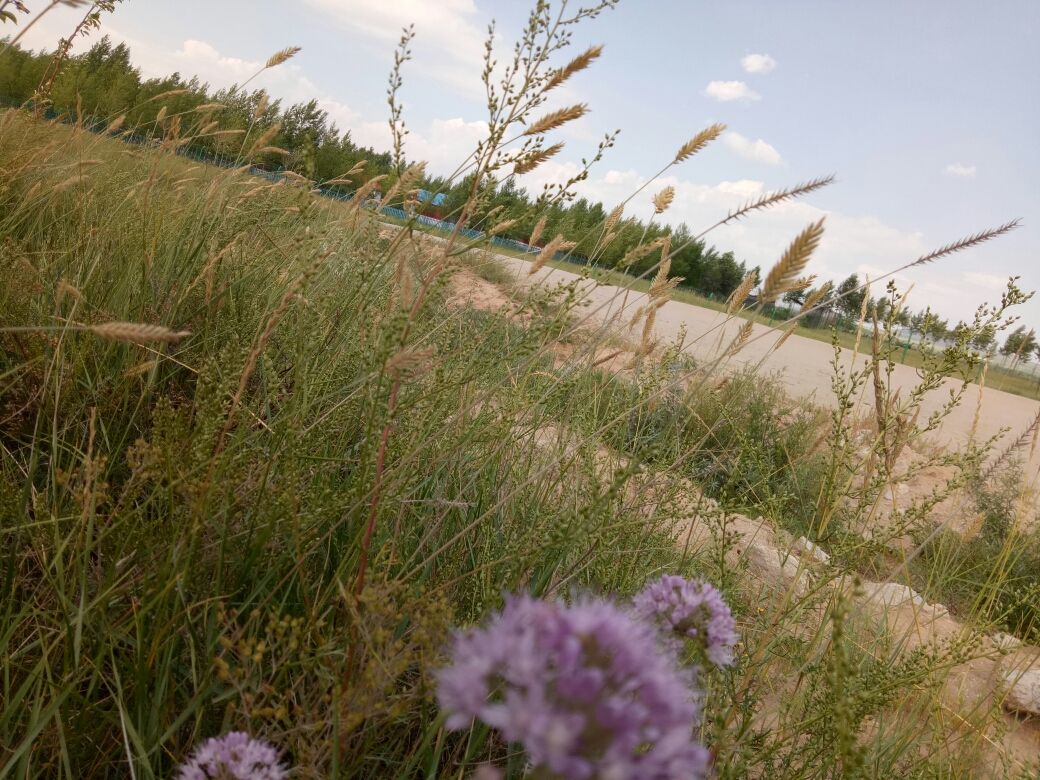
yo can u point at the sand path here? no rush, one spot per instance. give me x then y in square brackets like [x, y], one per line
[804, 364]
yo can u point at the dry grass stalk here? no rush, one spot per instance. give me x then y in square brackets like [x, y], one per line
[640, 251]
[816, 296]
[579, 63]
[411, 177]
[161, 115]
[558, 244]
[116, 123]
[739, 295]
[613, 218]
[530, 161]
[265, 138]
[260, 344]
[862, 316]
[261, 105]
[499, 227]
[1024, 438]
[279, 57]
[740, 339]
[784, 337]
[410, 363]
[646, 341]
[365, 190]
[773, 198]
[698, 142]
[555, 119]
[978, 402]
[661, 286]
[137, 332]
[966, 243]
[792, 262]
[208, 107]
[140, 369]
[663, 199]
[536, 233]
[803, 283]
[64, 288]
[72, 181]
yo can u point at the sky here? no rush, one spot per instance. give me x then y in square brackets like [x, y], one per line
[927, 111]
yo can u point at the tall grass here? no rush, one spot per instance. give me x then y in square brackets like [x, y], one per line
[255, 463]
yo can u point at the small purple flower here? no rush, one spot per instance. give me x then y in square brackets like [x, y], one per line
[588, 690]
[234, 756]
[691, 609]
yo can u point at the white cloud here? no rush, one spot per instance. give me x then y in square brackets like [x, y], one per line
[725, 91]
[852, 243]
[987, 281]
[449, 34]
[960, 170]
[757, 150]
[758, 63]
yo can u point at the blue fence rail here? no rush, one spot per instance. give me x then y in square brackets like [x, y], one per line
[100, 127]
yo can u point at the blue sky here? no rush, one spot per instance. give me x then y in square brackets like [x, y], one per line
[926, 111]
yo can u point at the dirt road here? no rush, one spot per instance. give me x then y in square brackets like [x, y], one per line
[804, 364]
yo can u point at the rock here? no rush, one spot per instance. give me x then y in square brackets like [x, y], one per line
[894, 594]
[776, 567]
[1023, 691]
[1005, 642]
[813, 550]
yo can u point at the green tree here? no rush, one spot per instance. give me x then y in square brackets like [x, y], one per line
[849, 298]
[1020, 344]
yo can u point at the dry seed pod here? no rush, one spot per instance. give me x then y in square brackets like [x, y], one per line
[282, 56]
[536, 234]
[739, 295]
[558, 244]
[792, 262]
[579, 63]
[137, 332]
[698, 142]
[530, 161]
[555, 119]
[663, 199]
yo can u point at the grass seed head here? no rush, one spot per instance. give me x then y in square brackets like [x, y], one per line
[663, 199]
[284, 55]
[137, 332]
[555, 119]
[698, 142]
[792, 262]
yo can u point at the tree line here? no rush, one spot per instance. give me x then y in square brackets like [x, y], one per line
[302, 138]
[103, 82]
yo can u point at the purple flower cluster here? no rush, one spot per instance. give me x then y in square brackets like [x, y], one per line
[691, 609]
[234, 756]
[588, 690]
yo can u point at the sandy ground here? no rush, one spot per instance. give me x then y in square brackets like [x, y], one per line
[804, 364]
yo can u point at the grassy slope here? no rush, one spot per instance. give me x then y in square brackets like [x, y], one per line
[184, 525]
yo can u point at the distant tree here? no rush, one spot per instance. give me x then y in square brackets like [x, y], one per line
[929, 325]
[849, 297]
[1020, 344]
[985, 340]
